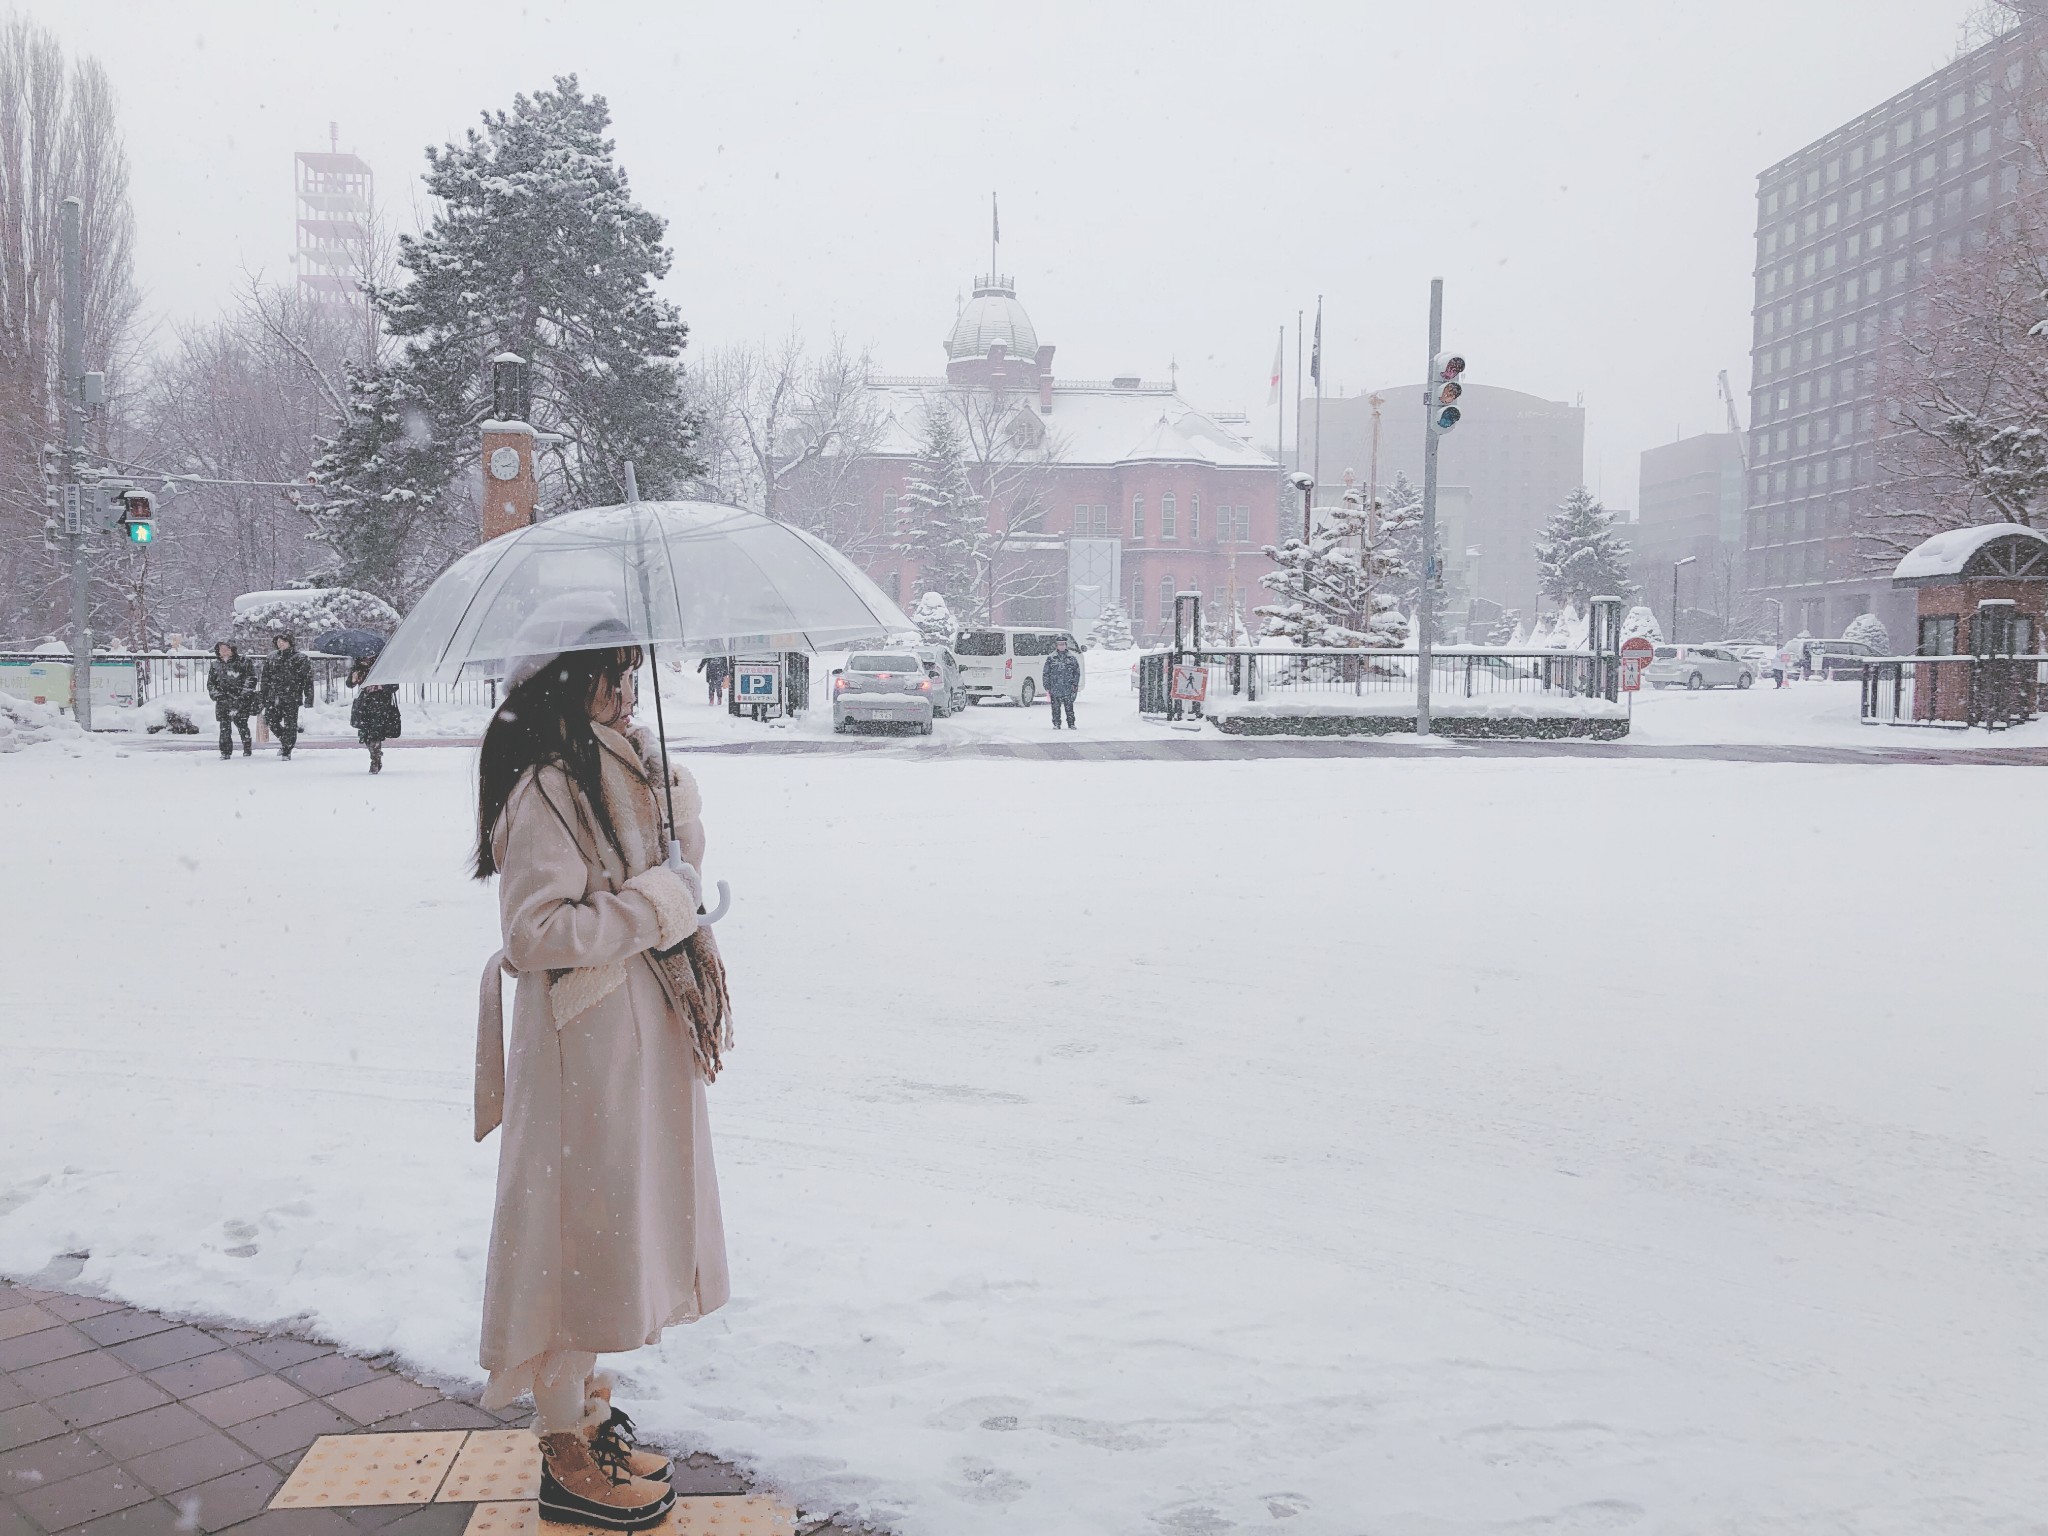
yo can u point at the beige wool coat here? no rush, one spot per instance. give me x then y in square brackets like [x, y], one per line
[607, 1226]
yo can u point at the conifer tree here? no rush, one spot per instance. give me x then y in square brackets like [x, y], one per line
[1579, 556]
[1339, 590]
[1112, 629]
[944, 528]
[536, 248]
[934, 620]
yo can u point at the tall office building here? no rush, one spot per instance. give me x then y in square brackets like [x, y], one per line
[1690, 505]
[1845, 229]
[334, 206]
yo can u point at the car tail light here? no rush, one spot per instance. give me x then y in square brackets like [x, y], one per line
[925, 686]
[839, 685]
[1009, 666]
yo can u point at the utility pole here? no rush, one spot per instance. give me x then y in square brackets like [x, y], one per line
[1425, 600]
[69, 213]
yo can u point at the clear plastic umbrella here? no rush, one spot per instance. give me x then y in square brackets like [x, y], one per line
[709, 579]
[706, 578]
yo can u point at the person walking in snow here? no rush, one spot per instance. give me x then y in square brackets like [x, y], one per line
[374, 713]
[287, 687]
[713, 668]
[1062, 681]
[607, 1227]
[231, 684]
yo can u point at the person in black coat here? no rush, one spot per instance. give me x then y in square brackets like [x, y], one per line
[1062, 681]
[714, 670]
[374, 713]
[287, 687]
[231, 684]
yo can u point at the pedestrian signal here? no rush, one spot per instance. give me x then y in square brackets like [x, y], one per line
[138, 516]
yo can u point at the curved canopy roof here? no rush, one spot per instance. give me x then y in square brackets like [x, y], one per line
[992, 315]
[2010, 551]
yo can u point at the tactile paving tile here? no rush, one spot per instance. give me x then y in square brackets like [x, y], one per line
[705, 1514]
[494, 1465]
[370, 1469]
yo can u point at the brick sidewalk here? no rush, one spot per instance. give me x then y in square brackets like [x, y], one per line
[118, 1422]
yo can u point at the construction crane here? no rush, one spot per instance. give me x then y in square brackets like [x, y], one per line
[1734, 424]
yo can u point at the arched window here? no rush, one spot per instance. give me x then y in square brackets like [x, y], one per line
[1194, 517]
[1166, 516]
[1137, 517]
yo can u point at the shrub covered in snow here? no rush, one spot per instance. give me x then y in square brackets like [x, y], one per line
[1112, 630]
[934, 619]
[1869, 629]
[306, 613]
[1642, 621]
[23, 723]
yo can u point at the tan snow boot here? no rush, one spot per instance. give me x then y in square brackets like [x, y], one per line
[609, 1433]
[576, 1490]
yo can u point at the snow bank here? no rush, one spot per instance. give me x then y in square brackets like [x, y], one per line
[23, 723]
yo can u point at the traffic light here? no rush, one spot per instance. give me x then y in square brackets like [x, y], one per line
[1446, 389]
[137, 514]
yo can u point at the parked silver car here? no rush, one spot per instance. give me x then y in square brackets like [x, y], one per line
[1697, 666]
[949, 693]
[882, 687]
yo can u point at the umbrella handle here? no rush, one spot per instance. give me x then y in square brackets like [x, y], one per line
[706, 919]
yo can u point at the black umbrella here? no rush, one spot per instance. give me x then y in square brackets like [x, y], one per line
[358, 644]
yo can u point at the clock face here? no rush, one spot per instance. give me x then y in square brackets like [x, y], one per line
[505, 463]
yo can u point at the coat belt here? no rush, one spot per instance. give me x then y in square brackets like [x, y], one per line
[490, 1045]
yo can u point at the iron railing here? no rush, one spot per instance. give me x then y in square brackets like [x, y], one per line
[1456, 672]
[1956, 692]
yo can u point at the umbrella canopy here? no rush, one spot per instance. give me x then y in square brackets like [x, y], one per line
[360, 644]
[702, 577]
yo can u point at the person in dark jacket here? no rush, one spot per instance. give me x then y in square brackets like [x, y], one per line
[714, 669]
[287, 687]
[374, 713]
[231, 684]
[1062, 681]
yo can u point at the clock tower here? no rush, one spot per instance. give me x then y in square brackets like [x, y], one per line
[510, 490]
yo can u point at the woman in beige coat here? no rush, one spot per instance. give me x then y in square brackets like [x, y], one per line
[607, 1227]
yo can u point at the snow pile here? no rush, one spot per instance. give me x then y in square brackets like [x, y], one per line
[23, 723]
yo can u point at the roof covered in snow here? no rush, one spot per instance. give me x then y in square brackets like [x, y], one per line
[1090, 424]
[2008, 550]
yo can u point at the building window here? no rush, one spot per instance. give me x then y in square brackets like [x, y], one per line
[1241, 525]
[1165, 602]
[1937, 637]
[1194, 517]
[895, 516]
[1168, 517]
[1137, 517]
[1137, 600]
[896, 584]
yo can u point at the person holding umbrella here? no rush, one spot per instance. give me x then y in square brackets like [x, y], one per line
[607, 1228]
[231, 684]
[287, 686]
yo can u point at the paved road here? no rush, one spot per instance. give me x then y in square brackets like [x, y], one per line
[1885, 751]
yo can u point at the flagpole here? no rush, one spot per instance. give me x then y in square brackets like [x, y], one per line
[1280, 394]
[1297, 391]
[1316, 469]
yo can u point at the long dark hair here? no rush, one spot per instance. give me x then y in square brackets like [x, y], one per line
[546, 719]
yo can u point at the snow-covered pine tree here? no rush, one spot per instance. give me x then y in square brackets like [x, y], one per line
[1579, 556]
[1869, 628]
[934, 620]
[1507, 629]
[1641, 620]
[536, 248]
[1400, 525]
[1338, 591]
[382, 478]
[1112, 629]
[944, 528]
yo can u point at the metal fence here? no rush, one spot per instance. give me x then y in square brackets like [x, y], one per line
[1458, 672]
[1956, 692]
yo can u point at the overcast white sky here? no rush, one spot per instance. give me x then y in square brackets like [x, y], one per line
[1176, 178]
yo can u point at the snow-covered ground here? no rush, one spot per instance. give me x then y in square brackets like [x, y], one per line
[1416, 1146]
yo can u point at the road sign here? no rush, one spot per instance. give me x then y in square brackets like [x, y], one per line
[1636, 653]
[1190, 683]
[757, 682]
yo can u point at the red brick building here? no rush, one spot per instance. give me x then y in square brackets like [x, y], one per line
[1115, 488]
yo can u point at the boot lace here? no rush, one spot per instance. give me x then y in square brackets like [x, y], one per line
[611, 1444]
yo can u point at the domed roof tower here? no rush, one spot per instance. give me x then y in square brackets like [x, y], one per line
[993, 343]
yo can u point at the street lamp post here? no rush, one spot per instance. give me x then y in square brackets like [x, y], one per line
[1688, 560]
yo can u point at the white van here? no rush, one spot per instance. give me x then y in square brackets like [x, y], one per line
[1008, 663]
